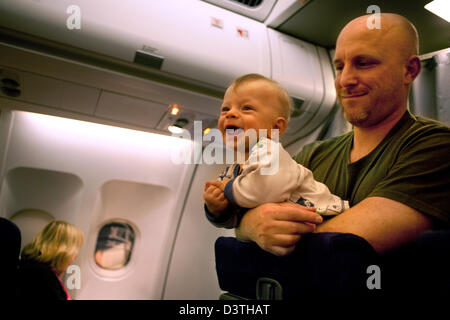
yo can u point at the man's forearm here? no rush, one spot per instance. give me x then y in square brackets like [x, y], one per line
[386, 224]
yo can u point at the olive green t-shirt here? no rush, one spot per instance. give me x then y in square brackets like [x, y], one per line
[411, 165]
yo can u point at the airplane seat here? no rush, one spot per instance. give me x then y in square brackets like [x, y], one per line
[334, 264]
[10, 242]
[325, 264]
[420, 268]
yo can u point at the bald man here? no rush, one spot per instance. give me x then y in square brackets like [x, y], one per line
[393, 167]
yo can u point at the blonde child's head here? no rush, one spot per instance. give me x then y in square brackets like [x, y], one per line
[56, 245]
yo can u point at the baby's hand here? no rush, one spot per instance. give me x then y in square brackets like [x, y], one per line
[215, 199]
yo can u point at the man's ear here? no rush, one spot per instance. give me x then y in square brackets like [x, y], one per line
[281, 125]
[412, 67]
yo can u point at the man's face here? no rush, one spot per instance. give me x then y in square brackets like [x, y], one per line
[369, 74]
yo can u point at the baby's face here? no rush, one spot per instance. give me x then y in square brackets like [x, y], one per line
[252, 105]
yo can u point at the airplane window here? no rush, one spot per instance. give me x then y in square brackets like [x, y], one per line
[114, 245]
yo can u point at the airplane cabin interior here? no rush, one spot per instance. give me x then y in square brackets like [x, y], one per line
[87, 94]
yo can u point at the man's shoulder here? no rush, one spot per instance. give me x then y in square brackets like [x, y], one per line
[424, 130]
[427, 124]
[323, 147]
[334, 141]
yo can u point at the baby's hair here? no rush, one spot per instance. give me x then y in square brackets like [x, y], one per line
[286, 101]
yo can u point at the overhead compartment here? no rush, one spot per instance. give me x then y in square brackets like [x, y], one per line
[305, 71]
[188, 38]
[256, 9]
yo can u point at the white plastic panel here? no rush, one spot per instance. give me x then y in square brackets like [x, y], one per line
[305, 71]
[259, 12]
[55, 93]
[131, 110]
[79, 98]
[192, 272]
[30, 223]
[88, 174]
[95, 94]
[32, 188]
[295, 64]
[282, 10]
[147, 208]
[192, 46]
[41, 90]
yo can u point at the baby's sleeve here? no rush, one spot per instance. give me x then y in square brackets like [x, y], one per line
[269, 175]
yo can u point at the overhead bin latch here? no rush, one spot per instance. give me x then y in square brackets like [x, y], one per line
[148, 59]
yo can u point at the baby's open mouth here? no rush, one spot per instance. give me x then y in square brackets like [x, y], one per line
[233, 130]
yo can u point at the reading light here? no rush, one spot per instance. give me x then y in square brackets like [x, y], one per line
[440, 8]
[175, 129]
[206, 131]
[174, 110]
[178, 126]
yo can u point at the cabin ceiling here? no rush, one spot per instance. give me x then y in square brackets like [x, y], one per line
[319, 21]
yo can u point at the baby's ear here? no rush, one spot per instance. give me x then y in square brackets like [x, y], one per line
[280, 124]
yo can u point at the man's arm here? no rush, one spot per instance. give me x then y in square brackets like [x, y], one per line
[386, 224]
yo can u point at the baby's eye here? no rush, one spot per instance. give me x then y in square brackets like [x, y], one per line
[247, 108]
[224, 109]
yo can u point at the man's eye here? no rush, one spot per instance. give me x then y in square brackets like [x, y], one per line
[364, 64]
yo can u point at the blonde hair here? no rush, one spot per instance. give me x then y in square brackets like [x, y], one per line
[55, 245]
[285, 99]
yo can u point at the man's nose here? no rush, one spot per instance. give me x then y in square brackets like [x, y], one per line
[347, 77]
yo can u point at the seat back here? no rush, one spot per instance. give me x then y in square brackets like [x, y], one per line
[327, 264]
[334, 264]
[419, 268]
[10, 241]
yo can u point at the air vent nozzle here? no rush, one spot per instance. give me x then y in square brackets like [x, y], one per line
[9, 83]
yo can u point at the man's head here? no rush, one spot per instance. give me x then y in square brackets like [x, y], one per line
[375, 68]
[254, 102]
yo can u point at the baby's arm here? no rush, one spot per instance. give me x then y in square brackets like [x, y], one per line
[269, 175]
[218, 209]
[215, 199]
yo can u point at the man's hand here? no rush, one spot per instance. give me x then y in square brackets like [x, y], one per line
[277, 227]
[215, 199]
